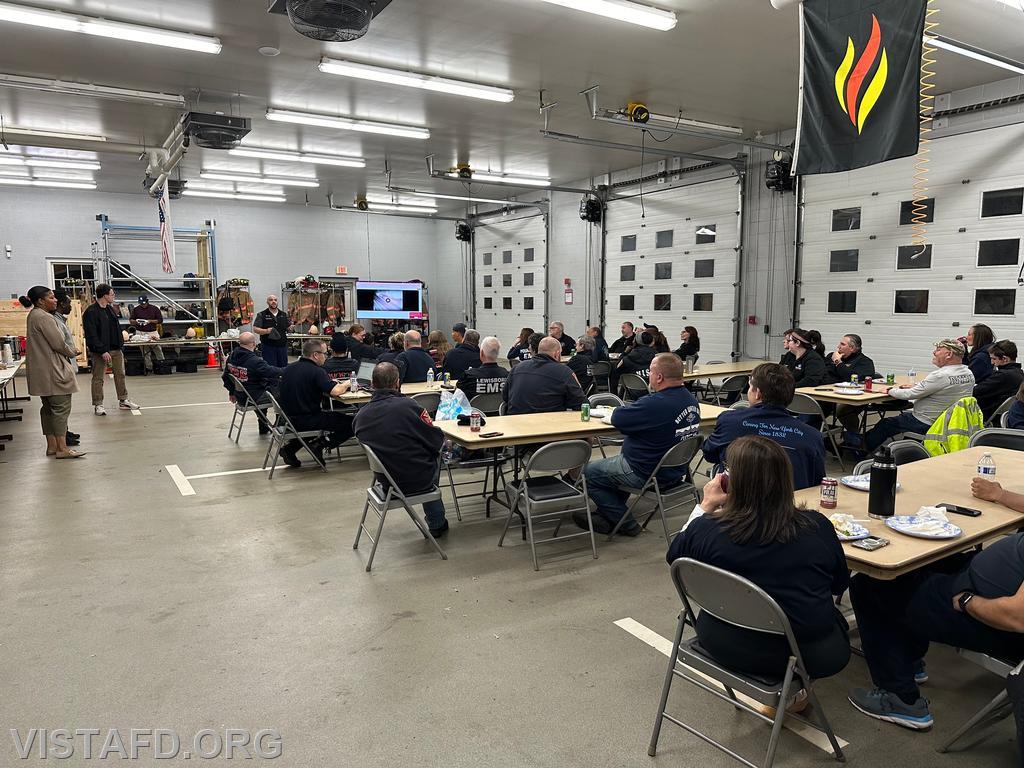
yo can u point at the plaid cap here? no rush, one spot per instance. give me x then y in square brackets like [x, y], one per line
[953, 345]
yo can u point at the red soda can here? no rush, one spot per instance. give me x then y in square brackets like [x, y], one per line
[867, 384]
[829, 492]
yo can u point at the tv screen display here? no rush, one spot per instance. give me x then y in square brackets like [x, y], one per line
[389, 301]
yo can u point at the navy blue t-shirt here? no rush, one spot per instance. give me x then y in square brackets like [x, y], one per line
[303, 387]
[652, 425]
[998, 570]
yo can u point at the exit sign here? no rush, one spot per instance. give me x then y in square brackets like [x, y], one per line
[339, 270]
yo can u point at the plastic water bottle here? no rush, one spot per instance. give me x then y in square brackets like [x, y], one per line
[987, 467]
[446, 451]
[912, 375]
[353, 383]
[430, 376]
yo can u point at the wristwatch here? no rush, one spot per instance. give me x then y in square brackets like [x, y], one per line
[965, 598]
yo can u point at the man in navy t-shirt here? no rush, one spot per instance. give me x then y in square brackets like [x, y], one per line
[771, 391]
[651, 425]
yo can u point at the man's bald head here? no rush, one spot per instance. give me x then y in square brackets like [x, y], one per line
[247, 339]
[413, 339]
[666, 371]
[551, 347]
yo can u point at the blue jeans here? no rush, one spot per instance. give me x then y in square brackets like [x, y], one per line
[892, 426]
[277, 356]
[605, 480]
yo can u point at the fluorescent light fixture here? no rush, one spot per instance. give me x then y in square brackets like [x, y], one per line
[963, 49]
[501, 178]
[45, 162]
[1017, 4]
[116, 30]
[464, 198]
[21, 182]
[623, 10]
[241, 178]
[415, 80]
[88, 89]
[235, 196]
[347, 124]
[673, 121]
[401, 207]
[13, 130]
[298, 157]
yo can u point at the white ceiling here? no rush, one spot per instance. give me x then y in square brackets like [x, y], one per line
[729, 61]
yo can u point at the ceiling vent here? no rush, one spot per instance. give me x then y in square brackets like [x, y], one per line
[336, 21]
[174, 186]
[216, 131]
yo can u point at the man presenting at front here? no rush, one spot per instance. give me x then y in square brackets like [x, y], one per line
[651, 426]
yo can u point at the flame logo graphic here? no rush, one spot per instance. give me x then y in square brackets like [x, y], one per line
[850, 78]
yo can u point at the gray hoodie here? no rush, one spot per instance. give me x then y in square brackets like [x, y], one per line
[938, 391]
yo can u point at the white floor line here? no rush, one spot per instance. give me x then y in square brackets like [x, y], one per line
[136, 412]
[223, 474]
[184, 486]
[184, 405]
[664, 646]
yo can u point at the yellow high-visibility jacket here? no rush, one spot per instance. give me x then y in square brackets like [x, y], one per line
[952, 431]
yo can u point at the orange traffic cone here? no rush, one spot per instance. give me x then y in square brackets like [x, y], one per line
[211, 357]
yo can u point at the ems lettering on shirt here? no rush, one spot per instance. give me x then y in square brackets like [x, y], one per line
[490, 386]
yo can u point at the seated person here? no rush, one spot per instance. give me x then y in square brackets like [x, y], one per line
[1004, 380]
[542, 384]
[949, 382]
[521, 349]
[438, 347]
[770, 393]
[979, 338]
[806, 365]
[622, 344]
[753, 529]
[303, 386]
[255, 373]
[842, 365]
[651, 425]
[464, 355]
[556, 330]
[358, 346]
[340, 365]
[533, 343]
[689, 343]
[637, 360]
[972, 601]
[414, 363]
[1015, 416]
[660, 342]
[600, 345]
[582, 363]
[396, 345]
[488, 377]
[405, 440]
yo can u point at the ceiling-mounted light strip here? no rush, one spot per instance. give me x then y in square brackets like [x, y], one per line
[674, 122]
[379, 203]
[347, 123]
[52, 183]
[464, 198]
[44, 162]
[415, 80]
[623, 10]
[88, 89]
[241, 178]
[235, 196]
[298, 157]
[116, 30]
[963, 49]
[14, 130]
[501, 178]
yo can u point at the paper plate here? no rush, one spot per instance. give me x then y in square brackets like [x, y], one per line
[860, 482]
[908, 524]
[859, 532]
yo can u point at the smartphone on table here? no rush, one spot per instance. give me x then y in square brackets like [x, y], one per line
[871, 543]
[958, 510]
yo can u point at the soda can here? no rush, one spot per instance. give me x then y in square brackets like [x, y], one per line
[854, 378]
[447, 379]
[890, 379]
[829, 493]
[585, 412]
[868, 383]
[474, 421]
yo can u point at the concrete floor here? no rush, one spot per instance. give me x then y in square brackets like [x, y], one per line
[127, 605]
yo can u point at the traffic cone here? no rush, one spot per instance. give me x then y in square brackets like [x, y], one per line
[211, 357]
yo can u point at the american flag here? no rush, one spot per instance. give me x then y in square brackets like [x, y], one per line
[166, 232]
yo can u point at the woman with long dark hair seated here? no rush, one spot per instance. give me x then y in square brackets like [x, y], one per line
[755, 530]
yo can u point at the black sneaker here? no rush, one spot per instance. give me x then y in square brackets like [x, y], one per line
[317, 449]
[882, 705]
[289, 457]
[73, 435]
[601, 524]
[632, 530]
[437, 533]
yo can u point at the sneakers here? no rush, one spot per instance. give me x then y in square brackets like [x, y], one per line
[601, 525]
[289, 457]
[889, 707]
[920, 672]
[99, 410]
[127, 405]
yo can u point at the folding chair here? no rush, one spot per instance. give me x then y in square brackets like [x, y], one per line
[601, 372]
[996, 419]
[381, 501]
[999, 708]
[251, 406]
[633, 387]
[488, 403]
[733, 385]
[907, 451]
[679, 455]
[1004, 420]
[606, 398]
[999, 438]
[547, 497]
[737, 601]
[429, 401]
[805, 405]
[283, 431]
[707, 388]
[739, 404]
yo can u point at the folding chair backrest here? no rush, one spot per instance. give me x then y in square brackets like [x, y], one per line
[282, 417]
[600, 370]
[805, 405]
[1004, 420]
[429, 401]
[560, 456]
[487, 403]
[502, 409]
[634, 386]
[514, 362]
[377, 467]
[729, 597]
[863, 467]
[605, 398]
[907, 451]
[680, 454]
[999, 438]
[735, 384]
[739, 404]
[1004, 407]
[238, 385]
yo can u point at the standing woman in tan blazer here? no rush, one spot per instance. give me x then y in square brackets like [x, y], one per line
[51, 372]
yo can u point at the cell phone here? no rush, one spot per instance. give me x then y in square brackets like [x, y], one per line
[957, 510]
[724, 480]
[492, 434]
[871, 543]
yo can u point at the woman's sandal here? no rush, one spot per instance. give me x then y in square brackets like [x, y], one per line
[71, 455]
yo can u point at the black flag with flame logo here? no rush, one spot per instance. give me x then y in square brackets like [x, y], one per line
[860, 83]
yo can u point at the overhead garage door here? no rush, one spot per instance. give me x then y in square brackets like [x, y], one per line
[861, 273]
[676, 265]
[510, 257]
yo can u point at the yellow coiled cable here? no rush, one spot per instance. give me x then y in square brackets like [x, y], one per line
[919, 208]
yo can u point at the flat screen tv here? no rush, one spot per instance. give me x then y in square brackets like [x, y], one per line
[389, 301]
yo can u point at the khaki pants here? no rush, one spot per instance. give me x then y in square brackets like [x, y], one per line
[54, 414]
[99, 370]
[149, 352]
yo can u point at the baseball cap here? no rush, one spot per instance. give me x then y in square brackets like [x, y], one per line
[460, 327]
[339, 343]
[953, 345]
[143, 299]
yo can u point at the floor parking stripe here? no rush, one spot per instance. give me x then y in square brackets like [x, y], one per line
[664, 646]
[224, 474]
[184, 405]
[184, 486]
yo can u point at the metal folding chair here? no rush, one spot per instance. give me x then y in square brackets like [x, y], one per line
[251, 406]
[999, 438]
[996, 418]
[805, 405]
[907, 451]
[602, 372]
[1004, 420]
[382, 501]
[739, 404]
[545, 497]
[606, 398]
[633, 387]
[491, 403]
[283, 431]
[733, 385]
[429, 401]
[707, 389]
[488, 403]
[999, 708]
[737, 601]
[679, 455]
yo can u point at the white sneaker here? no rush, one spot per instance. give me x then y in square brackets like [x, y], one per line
[99, 410]
[127, 405]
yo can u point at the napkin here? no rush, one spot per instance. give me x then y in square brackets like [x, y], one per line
[844, 524]
[931, 520]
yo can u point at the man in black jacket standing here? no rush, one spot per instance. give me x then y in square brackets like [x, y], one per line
[848, 360]
[255, 373]
[488, 377]
[405, 440]
[103, 339]
[464, 356]
[415, 361]
[271, 325]
[542, 384]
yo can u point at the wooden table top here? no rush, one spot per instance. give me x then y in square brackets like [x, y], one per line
[542, 428]
[926, 483]
[719, 370]
[828, 393]
[364, 395]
